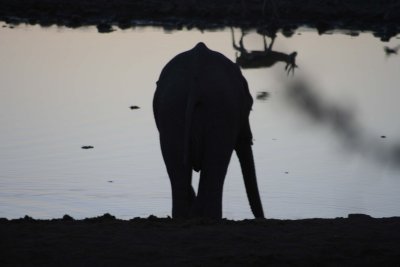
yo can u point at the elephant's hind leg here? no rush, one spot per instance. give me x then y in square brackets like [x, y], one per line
[214, 168]
[180, 177]
[183, 194]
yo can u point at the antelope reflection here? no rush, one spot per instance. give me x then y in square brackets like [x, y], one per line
[262, 59]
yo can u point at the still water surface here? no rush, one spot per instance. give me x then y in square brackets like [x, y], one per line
[61, 89]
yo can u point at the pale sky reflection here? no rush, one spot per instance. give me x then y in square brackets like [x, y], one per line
[61, 89]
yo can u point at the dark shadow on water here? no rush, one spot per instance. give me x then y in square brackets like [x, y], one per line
[343, 122]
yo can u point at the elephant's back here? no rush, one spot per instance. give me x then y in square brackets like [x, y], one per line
[200, 71]
[201, 77]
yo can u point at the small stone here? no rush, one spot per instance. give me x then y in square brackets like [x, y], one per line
[28, 218]
[66, 217]
[262, 95]
[354, 33]
[87, 147]
[152, 218]
[383, 136]
[134, 107]
[359, 216]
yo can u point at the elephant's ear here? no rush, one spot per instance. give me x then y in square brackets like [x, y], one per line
[248, 97]
[155, 104]
[245, 135]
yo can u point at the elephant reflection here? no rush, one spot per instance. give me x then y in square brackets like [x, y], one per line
[201, 108]
[262, 59]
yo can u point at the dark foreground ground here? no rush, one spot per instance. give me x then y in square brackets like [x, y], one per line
[381, 17]
[358, 240]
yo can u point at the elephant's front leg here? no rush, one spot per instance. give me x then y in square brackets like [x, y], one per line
[180, 175]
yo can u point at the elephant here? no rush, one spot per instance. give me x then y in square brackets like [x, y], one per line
[201, 108]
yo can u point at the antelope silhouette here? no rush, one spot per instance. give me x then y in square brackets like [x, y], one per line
[262, 59]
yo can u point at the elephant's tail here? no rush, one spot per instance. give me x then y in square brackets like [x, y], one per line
[191, 151]
[192, 135]
[245, 155]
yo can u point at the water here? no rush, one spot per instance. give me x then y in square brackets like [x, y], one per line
[61, 89]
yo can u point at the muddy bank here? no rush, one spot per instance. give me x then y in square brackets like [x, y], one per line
[358, 240]
[380, 17]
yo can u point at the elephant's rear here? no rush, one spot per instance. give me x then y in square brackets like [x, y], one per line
[201, 75]
[199, 93]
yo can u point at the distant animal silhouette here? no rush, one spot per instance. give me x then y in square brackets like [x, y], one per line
[201, 108]
[262, 59]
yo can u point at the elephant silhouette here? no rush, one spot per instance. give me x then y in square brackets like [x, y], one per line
[201, 108]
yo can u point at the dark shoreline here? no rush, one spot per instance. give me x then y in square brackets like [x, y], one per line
[358, 240]
[267, 16]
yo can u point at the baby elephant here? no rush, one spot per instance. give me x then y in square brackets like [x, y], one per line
[201, 107]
